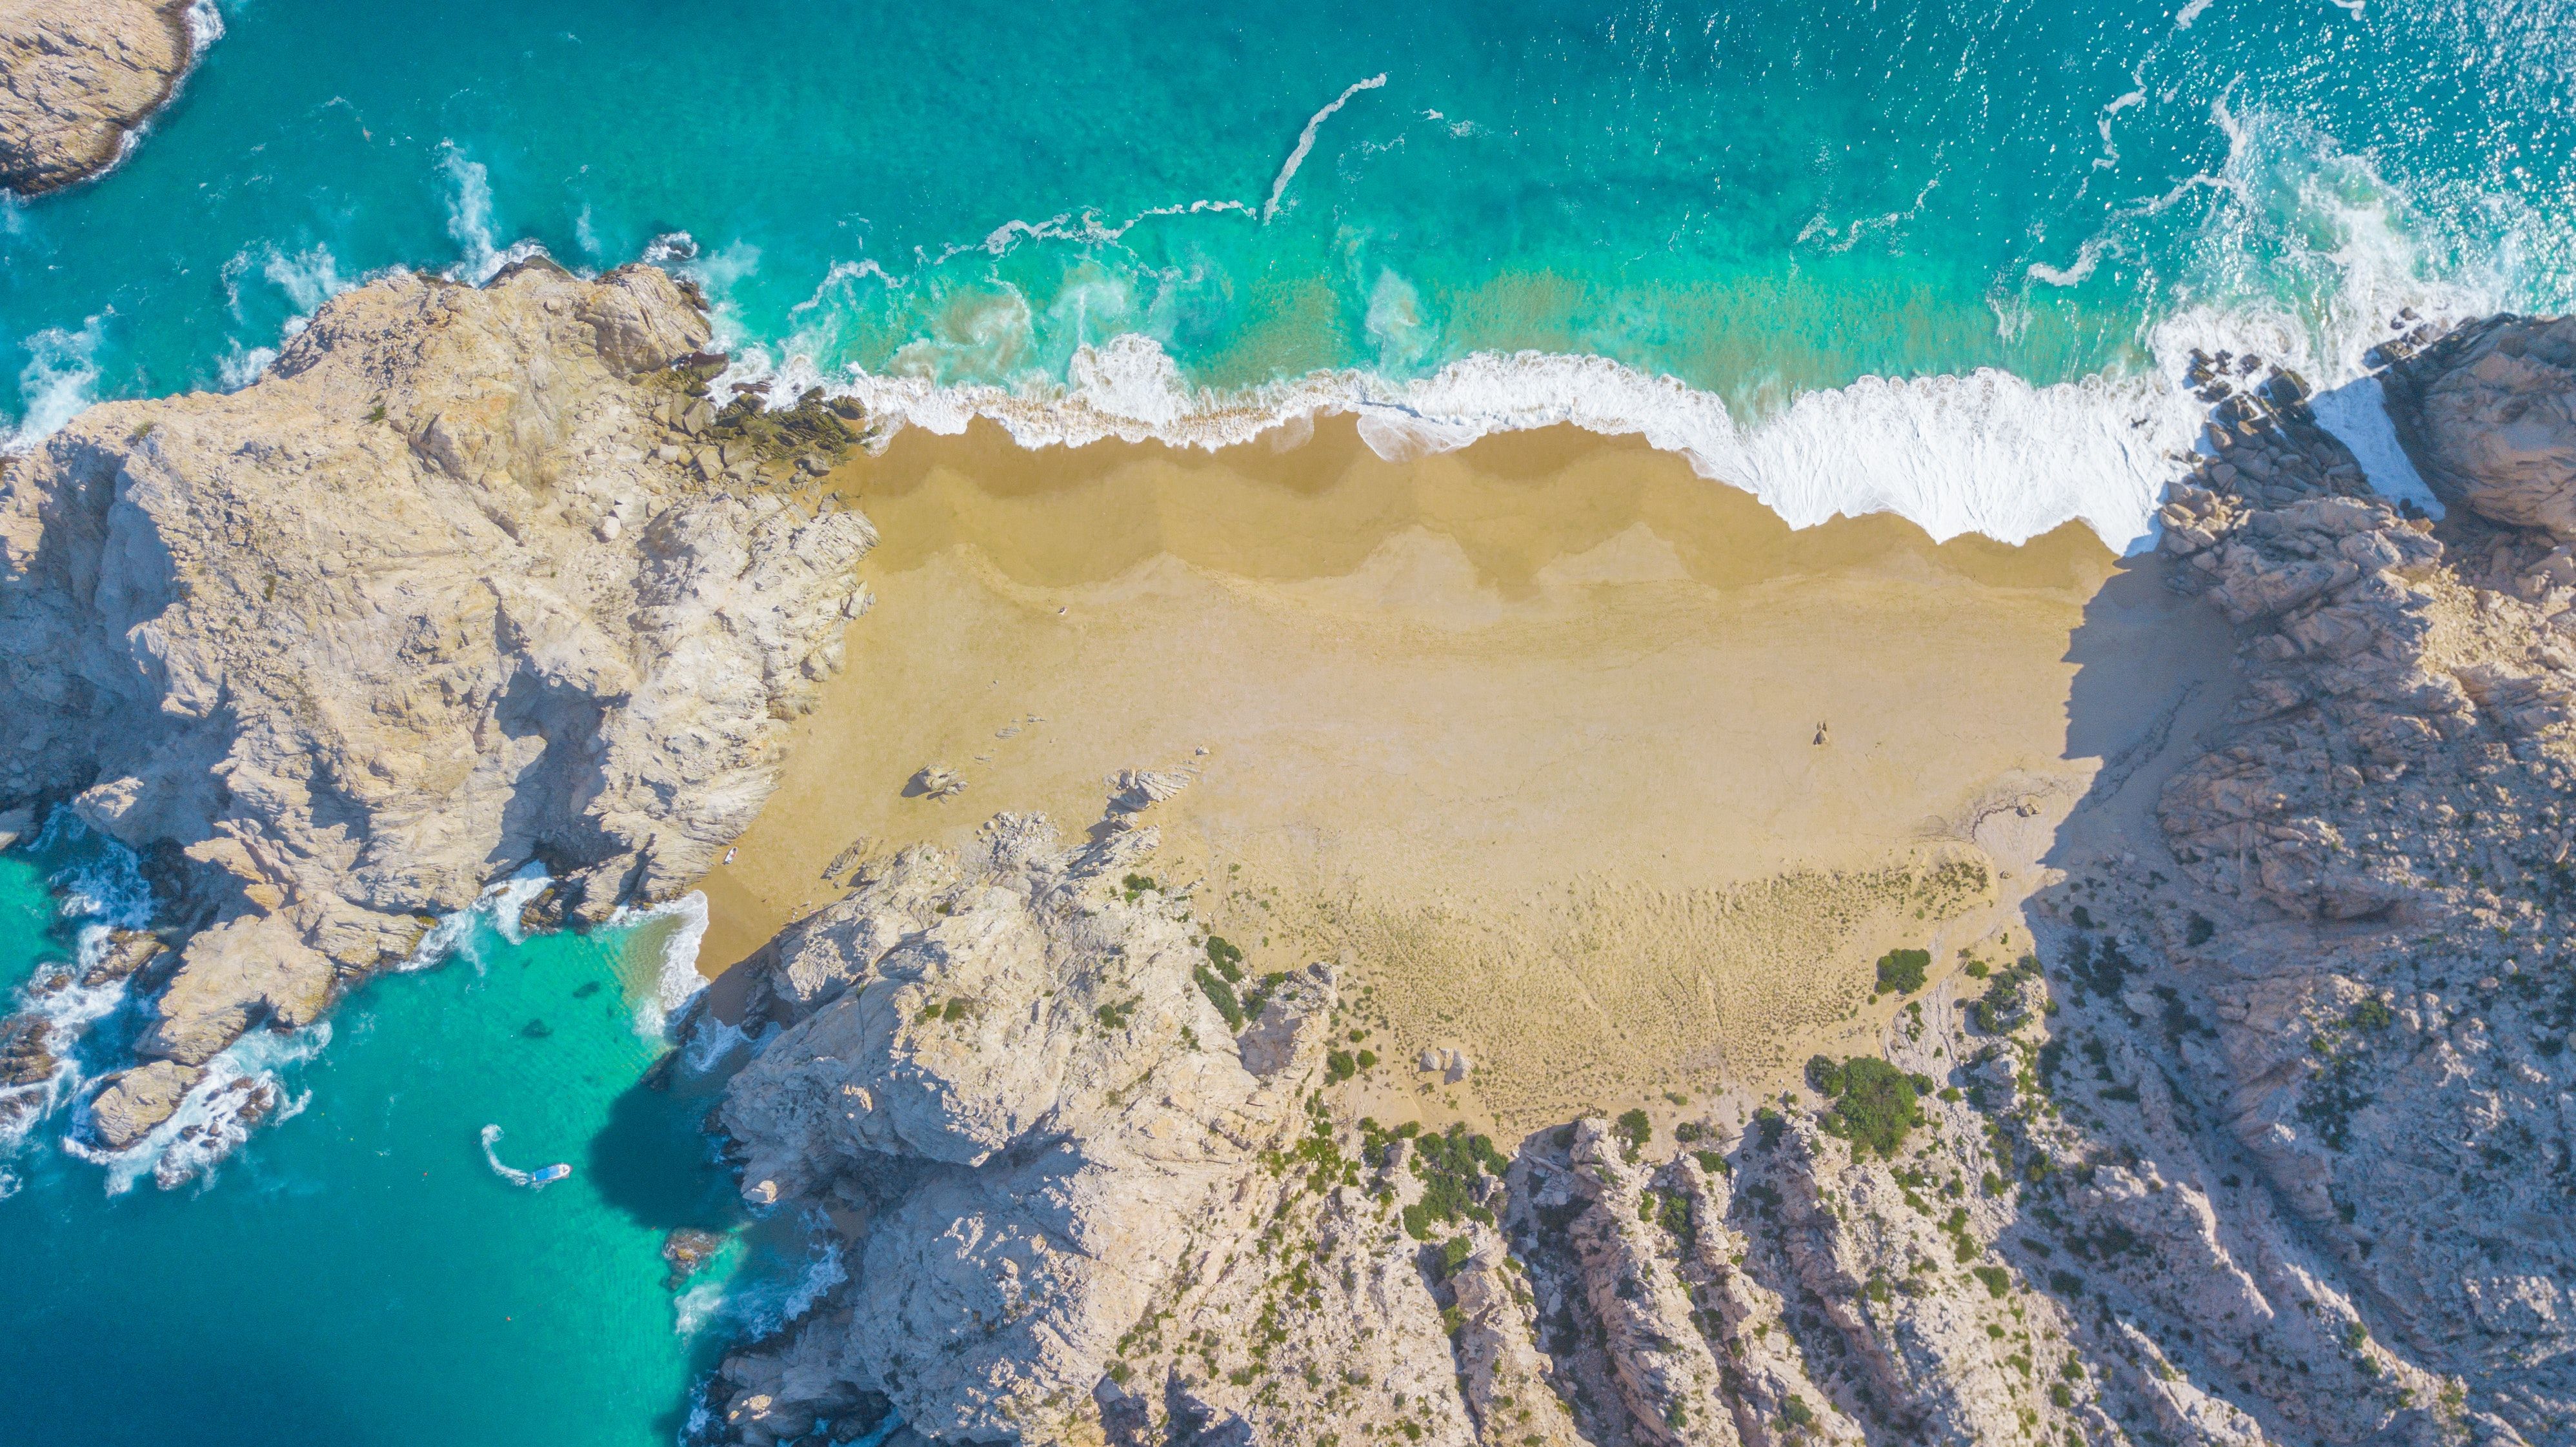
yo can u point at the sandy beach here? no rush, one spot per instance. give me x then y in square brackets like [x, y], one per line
[1581, 764]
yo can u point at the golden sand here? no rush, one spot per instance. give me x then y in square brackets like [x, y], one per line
[1580, 763]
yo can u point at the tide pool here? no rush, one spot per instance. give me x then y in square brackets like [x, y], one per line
[356, 1273]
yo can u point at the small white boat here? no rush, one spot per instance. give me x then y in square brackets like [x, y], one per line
[534, 1180]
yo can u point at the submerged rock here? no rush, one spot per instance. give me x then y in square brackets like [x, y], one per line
[686, 1250]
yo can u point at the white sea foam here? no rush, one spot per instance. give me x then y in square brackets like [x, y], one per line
[682, 924]
[1986, 452]
[712, 1044]
[241, 366]
[469, 220]
[58, 383]
[755, 1304]
[242, 1085]
[205, 27]
[496, 910]
[102, 890]
[1306, 142]
[2357, 414]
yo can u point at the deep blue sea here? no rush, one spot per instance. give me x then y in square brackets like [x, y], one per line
[1935, 256]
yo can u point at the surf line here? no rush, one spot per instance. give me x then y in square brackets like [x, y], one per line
[1306, 142]
[536, 1180]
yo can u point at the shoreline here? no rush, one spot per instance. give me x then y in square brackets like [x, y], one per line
[1546, 702]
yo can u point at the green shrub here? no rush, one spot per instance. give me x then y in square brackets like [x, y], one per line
[1823, 1076]
[1634, 1129]
[1903, 970]
[1339, 1066]
[1455, 1254]
[1225, 956]
[1997, 1280]
[1450, 1167]
[1876, 1106]
[1221, 995]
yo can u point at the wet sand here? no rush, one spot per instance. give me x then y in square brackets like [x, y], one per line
[1581, 763]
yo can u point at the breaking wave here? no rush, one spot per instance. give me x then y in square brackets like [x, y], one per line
[242, 1087]
[674, 931]
[2303, 255]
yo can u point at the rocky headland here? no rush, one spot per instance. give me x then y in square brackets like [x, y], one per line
[470, 578]
[78, 77]
[2262, 1133]
[2255, 1124]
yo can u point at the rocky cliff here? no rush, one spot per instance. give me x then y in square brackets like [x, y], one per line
[460, 583]
[76, 79]
[2269, 1139]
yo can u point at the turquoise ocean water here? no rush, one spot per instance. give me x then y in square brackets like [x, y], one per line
[359, 1273]
[1765, 201]
[1713, 224]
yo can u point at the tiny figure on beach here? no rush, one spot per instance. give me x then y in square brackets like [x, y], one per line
[731, 851]
[1821, 732]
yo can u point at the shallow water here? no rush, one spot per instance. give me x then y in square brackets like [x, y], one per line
[356, 1273]
[1759, 200]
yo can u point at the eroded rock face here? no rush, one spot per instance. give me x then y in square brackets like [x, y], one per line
[76, 78]
[1005, 1086]
[2493, 408]
[420, 605]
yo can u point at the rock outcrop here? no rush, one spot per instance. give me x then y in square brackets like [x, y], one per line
[77, 77]
[2490, 414]
[447, 590]
[1001, 1084]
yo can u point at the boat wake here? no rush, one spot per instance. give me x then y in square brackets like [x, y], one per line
[536, 1180]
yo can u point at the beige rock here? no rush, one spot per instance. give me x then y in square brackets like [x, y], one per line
[1010, 1077]
[77, 77]
[352, 640]
[134, 1101]
[2494, 412]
